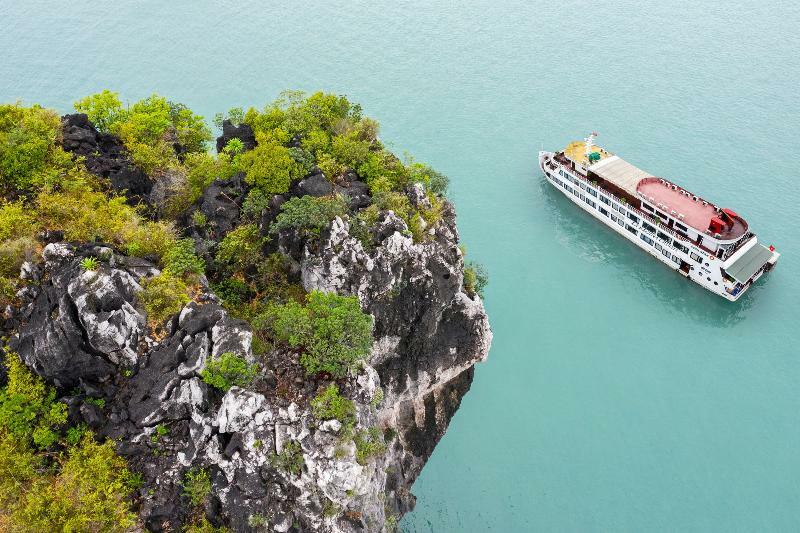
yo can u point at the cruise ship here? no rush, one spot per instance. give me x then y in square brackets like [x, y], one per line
[707, 244]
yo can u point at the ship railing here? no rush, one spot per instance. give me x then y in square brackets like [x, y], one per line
[658, 224]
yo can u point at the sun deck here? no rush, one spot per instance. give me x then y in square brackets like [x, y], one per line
[688, 209]
[576, 151]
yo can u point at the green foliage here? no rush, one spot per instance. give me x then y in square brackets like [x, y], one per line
[202, 525]
[149, 127]
[234, 114]
[197, 485]
[29, 412]
[97, 402]
[270, 166]
[86, 488]
[241, 248]
[255, 202]
[89, 493]
[30, 152]
[163, 296]
[229, 370]
[86, 214]
[434, 181]
[290, 460]
[309, 215]
[13, 253]
[330, 405]
[160, 432]
[331, 330]
[103, 109]
[475, 278]
[234, 146]
[180, 259]
[377, 398]
[90, 263]
[369, 444]
[15, 220]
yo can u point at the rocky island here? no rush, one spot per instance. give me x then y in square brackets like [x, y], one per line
[272, 337]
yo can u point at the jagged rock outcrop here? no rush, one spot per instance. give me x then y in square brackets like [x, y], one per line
[105, 156]
[86, 332]
[243, 132]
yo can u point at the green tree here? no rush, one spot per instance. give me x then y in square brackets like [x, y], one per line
[475, 278]
[30, 152]
[90, 493]
[270, 166]
[332, 331]
[163, 296]
[181, 260]
[104, 109]
[331, 405]
[29, 411]
[228, 370]
[241, 248]
[308, 214]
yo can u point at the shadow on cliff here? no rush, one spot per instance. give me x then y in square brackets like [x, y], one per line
[593, 242]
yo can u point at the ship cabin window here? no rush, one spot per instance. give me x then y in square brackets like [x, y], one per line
[603, 211]
[646, 239]
[659, 247]
[591, 203]
[696, 257]
[605, 200]
[575, 192]
[647, 207]
[591, 191]
[583, 185]
[614, 218]
[631, 229]
[649, 228]
[621, 222]
[583, 196]
[664, 237]
[665, 253]
[633, 217]
[681, 227]
[675, 258]
[680, 246]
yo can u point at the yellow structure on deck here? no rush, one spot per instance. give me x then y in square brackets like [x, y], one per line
[576, 151]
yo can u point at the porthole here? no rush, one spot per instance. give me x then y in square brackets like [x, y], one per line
[709, 279]
[715, 283]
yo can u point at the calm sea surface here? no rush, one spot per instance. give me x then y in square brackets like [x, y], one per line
[618, 396]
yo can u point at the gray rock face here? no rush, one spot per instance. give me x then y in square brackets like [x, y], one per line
[81, 325]
[86, 329]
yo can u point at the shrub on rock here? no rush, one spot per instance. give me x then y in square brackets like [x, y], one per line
[330, 405]
[332, 331]
[163, 296]
[309, 215]
[228, 370]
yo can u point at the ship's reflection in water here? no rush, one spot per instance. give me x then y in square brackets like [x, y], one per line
[592, 241]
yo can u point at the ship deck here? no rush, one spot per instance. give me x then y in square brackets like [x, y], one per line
[695, 214]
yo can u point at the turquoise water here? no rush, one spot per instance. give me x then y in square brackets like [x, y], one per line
[618, 396]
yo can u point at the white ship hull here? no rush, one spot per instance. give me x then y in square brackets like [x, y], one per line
[636, 226]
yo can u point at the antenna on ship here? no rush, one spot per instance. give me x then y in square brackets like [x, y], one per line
[589, 143]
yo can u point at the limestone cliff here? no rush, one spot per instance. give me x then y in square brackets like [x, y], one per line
[86, 332]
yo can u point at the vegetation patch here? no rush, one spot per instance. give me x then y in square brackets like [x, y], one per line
[331, 405]
[229, 370]
[290, 460]
[332, 331]
[163, 296]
